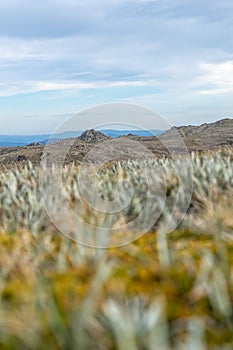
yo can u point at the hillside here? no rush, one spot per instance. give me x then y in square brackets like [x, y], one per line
[24, 140]
[219, 133]
[197, 138]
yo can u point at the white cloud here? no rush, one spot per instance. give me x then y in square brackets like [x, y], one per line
[42, 86]
[218, 77]
[182, 48]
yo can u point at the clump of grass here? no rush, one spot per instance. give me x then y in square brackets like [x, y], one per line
[163, 291]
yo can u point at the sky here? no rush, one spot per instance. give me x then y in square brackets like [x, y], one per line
[59, 57]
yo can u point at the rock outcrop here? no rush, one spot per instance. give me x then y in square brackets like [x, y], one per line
[92, 135]
[34, 144]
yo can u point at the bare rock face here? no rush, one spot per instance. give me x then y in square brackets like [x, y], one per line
[34, 144]
[93, 136]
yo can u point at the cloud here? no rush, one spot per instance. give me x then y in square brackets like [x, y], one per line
[40, 86]
[181, 48]
[219, 77]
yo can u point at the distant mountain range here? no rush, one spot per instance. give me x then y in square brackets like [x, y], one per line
[197, 136]
[201, 138]
[24, 140]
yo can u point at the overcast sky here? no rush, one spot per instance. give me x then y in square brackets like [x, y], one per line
[58, 57]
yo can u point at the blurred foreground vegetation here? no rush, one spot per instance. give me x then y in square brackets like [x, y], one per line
[163, 291]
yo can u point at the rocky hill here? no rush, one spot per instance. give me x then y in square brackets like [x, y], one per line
[206, 135]
[92, 135]
[196, 138]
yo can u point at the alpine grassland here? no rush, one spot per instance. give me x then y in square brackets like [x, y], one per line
[161, 291]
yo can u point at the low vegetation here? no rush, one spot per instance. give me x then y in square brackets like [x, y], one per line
[163, 291]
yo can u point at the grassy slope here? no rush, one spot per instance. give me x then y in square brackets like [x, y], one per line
[161, 292]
